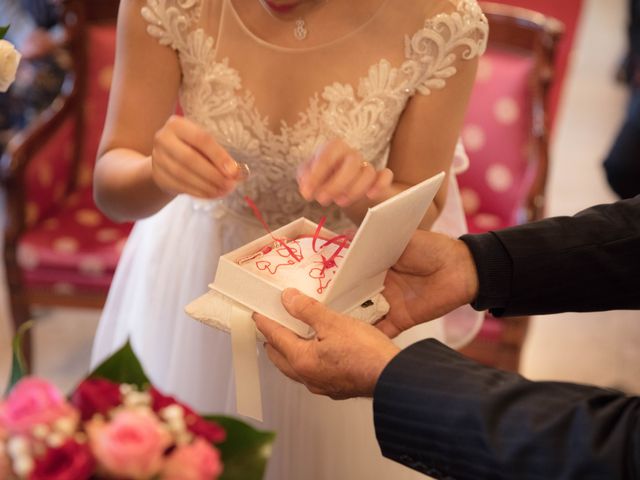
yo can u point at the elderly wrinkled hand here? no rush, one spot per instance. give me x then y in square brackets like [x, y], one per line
[344, 359]
[435, 275]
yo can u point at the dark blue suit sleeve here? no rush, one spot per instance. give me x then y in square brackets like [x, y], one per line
[588, 262]
[448, 417]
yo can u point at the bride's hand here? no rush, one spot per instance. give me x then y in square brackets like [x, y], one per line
[186, 159]
[338, 173]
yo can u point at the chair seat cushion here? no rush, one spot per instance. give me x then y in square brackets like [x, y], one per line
[75, 249]
[497, 136]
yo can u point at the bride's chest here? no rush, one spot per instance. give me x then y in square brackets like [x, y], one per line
[263, 102]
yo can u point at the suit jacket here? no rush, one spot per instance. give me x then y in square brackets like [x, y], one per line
[446, 416]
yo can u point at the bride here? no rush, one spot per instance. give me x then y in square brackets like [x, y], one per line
[322, 99]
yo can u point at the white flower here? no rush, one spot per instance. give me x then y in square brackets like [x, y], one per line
[9, 59]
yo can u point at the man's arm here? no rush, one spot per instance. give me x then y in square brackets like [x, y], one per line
[448, 417]
[588, 262]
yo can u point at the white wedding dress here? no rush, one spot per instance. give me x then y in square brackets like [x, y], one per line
[233, 85]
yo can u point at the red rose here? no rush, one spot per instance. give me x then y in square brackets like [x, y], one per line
[71, 461]
[197, 425]
[96, 396]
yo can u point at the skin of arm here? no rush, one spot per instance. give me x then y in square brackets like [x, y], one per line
[148, 155]
[143, 96]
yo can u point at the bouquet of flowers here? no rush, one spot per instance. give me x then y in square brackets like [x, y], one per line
[115, 424]
[9, 60]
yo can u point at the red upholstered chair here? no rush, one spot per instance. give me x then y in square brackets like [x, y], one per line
[506, 135]
[59, 249]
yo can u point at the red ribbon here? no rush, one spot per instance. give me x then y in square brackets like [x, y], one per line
[258, 215]
[326, 262]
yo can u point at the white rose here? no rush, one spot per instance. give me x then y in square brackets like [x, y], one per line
[9, 60]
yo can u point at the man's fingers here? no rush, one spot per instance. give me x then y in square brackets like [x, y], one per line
[306, 309]
[388, 328]
[281, 338]
[281, 362]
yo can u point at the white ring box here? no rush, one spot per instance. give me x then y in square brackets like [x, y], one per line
[380, 240]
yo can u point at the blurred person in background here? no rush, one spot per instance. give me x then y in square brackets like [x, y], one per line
[622, 165]
[38, 35]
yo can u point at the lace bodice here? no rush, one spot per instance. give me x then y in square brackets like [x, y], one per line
[362, 104]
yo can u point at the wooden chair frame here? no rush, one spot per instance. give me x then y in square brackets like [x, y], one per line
[78, 16]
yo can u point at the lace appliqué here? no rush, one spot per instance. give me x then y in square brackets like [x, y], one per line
[365, 117]
[432, 51]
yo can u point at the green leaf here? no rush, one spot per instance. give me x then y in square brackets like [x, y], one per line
[3, 31]
[18, 363]
[122, 367]
[245, 451]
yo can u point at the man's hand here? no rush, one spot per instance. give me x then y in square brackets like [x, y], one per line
[435, 275]
[344, 359]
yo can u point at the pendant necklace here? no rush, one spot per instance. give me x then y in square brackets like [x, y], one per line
[300, 29]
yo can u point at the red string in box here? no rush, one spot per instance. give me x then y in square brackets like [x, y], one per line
[342, 241]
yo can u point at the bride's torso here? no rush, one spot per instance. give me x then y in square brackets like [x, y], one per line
[271, 105]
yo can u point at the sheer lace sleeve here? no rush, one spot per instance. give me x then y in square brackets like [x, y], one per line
[170, 21]
[433, 52]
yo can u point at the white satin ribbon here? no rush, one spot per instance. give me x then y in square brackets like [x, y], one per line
[245, 363]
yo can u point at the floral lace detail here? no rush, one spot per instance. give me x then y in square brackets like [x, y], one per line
[432, 50]
[364, 117]
[170, 19]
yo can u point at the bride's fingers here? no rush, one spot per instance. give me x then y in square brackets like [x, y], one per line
[281, 363]
[169, 184]
[188, 165]
[359, 188]
[321, 167]
[383, 182]
[347, 171]
[203, 142]
[189, 178]
[301, 177]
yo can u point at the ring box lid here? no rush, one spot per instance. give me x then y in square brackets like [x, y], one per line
[383, 235]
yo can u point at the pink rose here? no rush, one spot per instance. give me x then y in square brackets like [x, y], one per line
[96, 396]
[131, 445]
[197, 461]
[197, 425]
[32, 402]
[71, 461]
